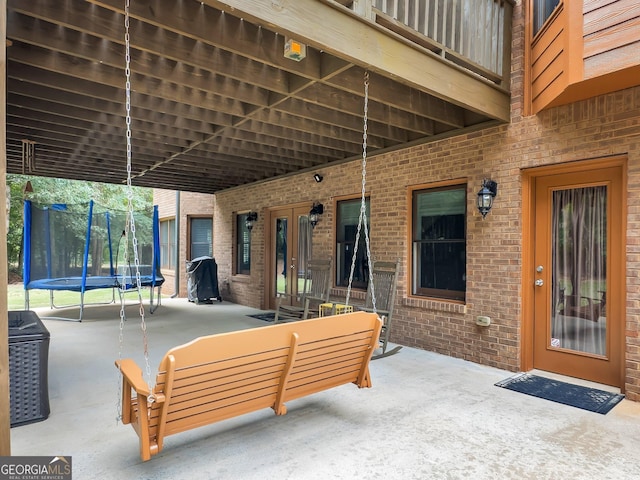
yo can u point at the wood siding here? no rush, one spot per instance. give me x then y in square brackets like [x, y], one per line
[585, 49]
[549, 61]
[611, 36]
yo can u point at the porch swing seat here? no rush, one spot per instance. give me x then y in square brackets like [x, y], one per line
[221, 376]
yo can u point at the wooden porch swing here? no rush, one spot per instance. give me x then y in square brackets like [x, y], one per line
[217, 377]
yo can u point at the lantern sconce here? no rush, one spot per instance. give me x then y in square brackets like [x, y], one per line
[317, 177]
[252, 217]
[314, 214]
[486, 195]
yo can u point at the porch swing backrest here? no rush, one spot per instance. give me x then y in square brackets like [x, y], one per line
[217, 377]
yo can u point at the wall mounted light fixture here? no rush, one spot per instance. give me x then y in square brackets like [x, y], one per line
[294, 49]
[486, 195]
[317, 177]
[314, 214]
[252, 217]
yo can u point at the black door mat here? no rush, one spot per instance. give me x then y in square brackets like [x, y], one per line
[592, 399]
[267, 317]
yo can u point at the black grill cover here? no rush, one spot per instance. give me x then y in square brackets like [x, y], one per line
[202, 280]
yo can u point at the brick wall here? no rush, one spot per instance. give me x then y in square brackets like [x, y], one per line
[599, 127]
[191, 204]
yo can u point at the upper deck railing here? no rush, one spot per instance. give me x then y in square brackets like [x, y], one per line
[475, 34]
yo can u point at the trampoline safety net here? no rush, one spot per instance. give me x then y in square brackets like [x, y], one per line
[80, 247]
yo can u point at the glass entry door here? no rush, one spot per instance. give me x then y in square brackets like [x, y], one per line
[579, 273]
[577, 324]
[290, 250]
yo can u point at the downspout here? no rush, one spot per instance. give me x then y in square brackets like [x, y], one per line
[176, 281]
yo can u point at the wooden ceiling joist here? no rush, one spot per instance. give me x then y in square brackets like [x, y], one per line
[212, 92]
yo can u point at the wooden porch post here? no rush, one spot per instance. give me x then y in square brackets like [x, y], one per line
[5, 422]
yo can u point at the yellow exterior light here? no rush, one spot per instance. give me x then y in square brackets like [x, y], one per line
[294, 50]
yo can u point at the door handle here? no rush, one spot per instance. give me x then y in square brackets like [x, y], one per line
[539, 282]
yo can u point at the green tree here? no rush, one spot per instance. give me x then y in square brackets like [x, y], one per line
[48, 191]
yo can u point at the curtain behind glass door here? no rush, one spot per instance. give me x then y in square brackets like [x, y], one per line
[304, 248]
[281, 261]
[579, 222]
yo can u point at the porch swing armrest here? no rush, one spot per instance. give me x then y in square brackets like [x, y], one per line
[132, 375]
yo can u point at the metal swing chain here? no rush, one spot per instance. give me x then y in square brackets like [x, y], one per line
[363, 205]
[130, 226]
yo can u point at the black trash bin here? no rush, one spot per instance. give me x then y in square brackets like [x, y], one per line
[28, 368]
[202, 280]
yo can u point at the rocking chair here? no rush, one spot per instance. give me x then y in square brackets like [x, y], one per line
[315, 290]
[385, 277]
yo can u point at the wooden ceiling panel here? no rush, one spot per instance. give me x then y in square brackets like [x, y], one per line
[214, 102]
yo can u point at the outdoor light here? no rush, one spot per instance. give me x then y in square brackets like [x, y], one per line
[486, 195]
[252, 217]
[294, 49]
[314, 214]
[317, 177]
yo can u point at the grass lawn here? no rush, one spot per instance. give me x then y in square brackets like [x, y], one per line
[41, 298]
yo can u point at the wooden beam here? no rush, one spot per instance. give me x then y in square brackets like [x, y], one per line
[175, 61]
[345, 36]
[360, 41]
[5, 407]
[239, 68]
[213, 28]
[74, 59]
[282, 133]
[32, 81]
[388, 92]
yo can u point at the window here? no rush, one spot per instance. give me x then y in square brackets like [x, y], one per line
[200, 237]
[348, 216]
[167, 243]
[542, 10]
[439, 242]
[243, 246]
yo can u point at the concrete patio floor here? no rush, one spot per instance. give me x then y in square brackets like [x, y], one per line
[427, 416]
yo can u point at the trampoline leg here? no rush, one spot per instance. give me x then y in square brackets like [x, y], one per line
[81, 305]
[152, 308]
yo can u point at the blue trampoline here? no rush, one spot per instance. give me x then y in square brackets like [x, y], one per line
[77, 247]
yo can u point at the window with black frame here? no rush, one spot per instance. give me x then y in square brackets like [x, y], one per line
[201, 237]
[243, 246]
[439, 242]
[542, 10]
[347, 219]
